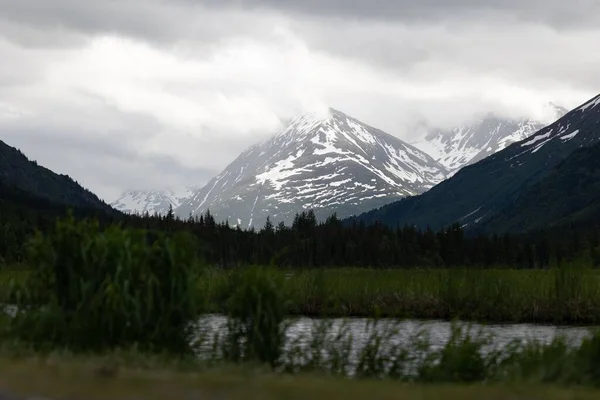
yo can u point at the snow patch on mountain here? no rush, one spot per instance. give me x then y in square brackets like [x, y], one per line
[590, 104]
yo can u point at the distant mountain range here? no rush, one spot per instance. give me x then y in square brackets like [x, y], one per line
[329, 163]
[152, 201]
[334, 163]
[502, 189]
[19, 177]
[464, 145]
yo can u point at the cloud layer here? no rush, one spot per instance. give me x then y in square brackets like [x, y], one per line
[156, 93]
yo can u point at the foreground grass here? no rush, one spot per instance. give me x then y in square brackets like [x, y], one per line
[112, 377]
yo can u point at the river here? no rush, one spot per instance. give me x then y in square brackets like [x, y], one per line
[402, 332]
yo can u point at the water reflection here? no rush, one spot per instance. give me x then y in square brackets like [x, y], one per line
[438, 333]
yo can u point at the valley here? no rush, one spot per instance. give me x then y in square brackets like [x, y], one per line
[303, 261]
[327, 199]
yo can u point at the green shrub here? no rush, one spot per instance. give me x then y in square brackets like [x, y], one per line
[256, 309]
[92, 289]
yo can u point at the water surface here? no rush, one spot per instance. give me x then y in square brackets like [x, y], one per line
[403, 332]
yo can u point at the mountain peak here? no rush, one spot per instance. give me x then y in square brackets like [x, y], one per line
[310, 122]
[151, 201]
[326, 161]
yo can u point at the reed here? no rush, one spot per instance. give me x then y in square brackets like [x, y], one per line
[569, 294]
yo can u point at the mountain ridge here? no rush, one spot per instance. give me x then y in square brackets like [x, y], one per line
[569, 194]
[469, 143]
[17, 171]
[480, 190]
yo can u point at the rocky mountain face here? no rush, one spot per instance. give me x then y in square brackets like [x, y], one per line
[479, 191]
[468, 144]
[151, 201]
[329, 163]
[18, 173]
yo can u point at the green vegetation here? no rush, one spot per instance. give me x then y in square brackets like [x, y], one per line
[566, 294]
[95, 291]
[569, 294]
[256, 308]
[308, 243]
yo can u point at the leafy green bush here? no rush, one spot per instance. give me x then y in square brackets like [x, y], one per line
[93, 289]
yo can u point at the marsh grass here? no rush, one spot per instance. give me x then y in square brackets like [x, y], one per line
[565, 294]
[569, 294]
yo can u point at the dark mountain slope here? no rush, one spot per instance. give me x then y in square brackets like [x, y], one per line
[479, 191]
[17, 171]
[570, 194]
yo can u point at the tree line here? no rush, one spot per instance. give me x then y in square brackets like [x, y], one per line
[308, 243]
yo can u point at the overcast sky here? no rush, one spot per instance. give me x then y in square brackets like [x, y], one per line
[152, 93]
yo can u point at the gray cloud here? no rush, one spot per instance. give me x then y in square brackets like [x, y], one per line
[151, 93]
[64, 22]
[106, 166]
[172, 20]
[558, 13]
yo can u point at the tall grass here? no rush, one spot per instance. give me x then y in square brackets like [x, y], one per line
[256, 308]
[569, 294]
[566, 294]
[92, 289]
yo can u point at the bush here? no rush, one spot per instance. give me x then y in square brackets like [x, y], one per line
[93, 290]
[256, 310]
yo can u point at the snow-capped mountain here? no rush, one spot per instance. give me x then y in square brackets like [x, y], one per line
[465, 145]
[476, 195]
[329, 163]
[151, 201]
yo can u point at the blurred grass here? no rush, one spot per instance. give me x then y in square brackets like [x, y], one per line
[111, 377]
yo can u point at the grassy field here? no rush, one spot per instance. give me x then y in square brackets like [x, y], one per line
[105, 378]
[567, 295]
